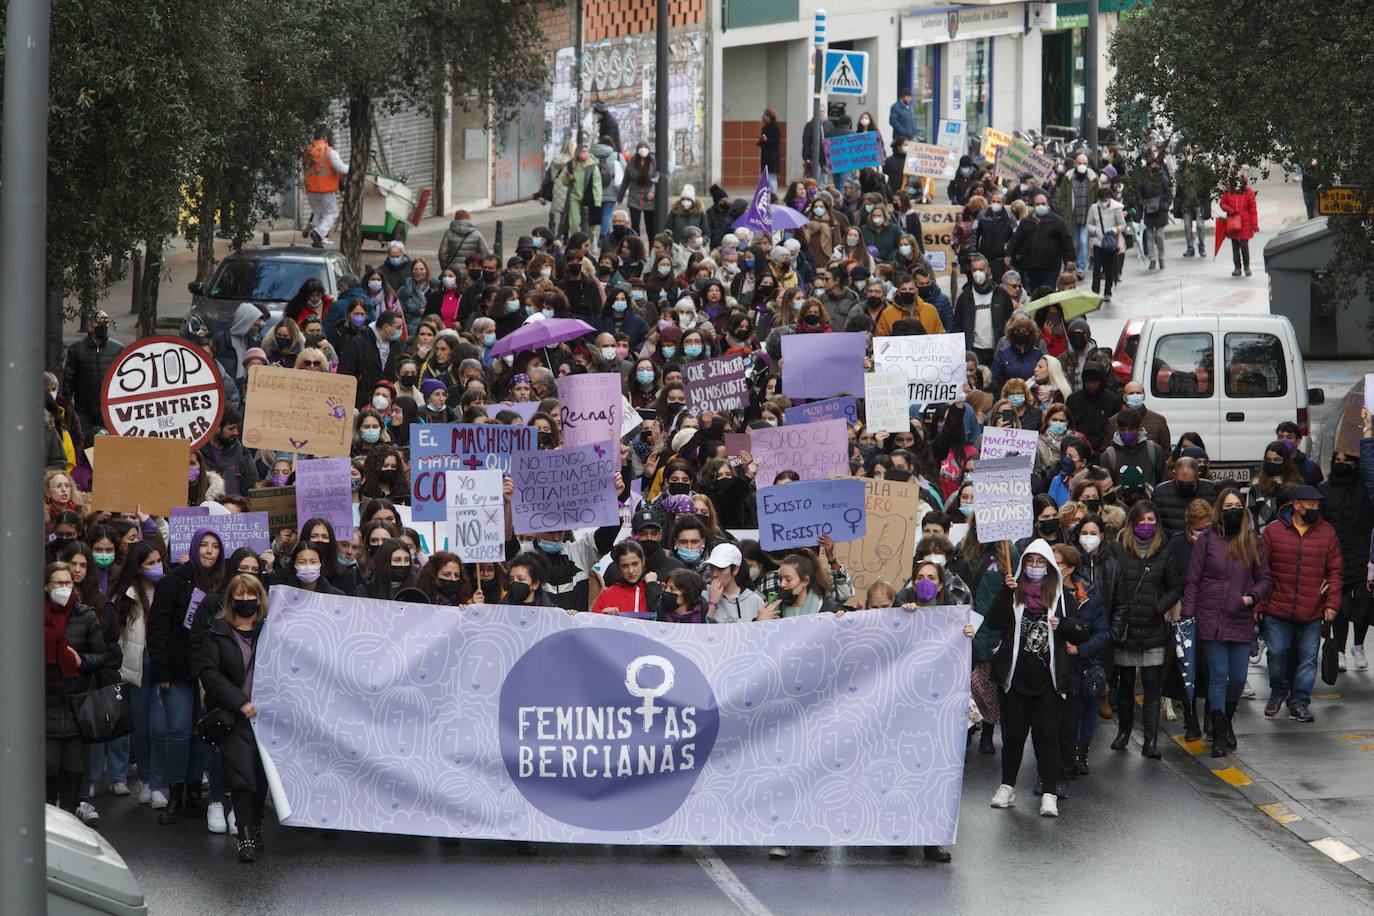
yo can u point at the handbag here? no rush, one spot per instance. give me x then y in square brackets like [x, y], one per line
[1108, 243]
[1330, 661]
[104, 712]
[214, 726]
[1234, 224]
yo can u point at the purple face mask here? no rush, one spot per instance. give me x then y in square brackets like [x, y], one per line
[155, 574]
[1128, 437]
[279, 480]
[926, 589]
[357, 320]
[1145, 531]
[192, 474]
[1290, 444]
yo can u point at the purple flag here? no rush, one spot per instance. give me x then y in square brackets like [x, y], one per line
[759, 216]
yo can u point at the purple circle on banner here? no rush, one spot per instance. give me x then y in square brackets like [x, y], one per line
[606, 729]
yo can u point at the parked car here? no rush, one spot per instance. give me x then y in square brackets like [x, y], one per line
[1124, 355]
[267, 277]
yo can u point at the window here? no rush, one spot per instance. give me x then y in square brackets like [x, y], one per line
[275, 279]
[1184, 366]
[1255, 366]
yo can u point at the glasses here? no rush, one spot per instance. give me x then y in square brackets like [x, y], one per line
[1013, 286]
[311, 364]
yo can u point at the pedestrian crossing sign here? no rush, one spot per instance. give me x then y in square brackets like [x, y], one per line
[846, 72]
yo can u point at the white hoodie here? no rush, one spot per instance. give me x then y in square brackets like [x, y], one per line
[1041, 548]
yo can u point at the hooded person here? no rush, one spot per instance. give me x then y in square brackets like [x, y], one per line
[233, 344]
[1081, 346]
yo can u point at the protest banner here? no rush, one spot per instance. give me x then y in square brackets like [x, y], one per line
[524, 723]
[296, 410]
[589, 407]
[846, 409]
[565, 488]
[476, 516]
[823, 365]
[163, 388]
[716, 384]
[851, 152]
[140, 473]
[280, 505]
[886, 405]
[885, 551]
[993, 140]
[799, 513]
[324, 489]
[814, 450]
[937, 236]
[934, 365]
[930, 161]
[1002, 508]
[235, 529]
[525, 409]
[1019, 158]
[439, 447]
[1004, 442]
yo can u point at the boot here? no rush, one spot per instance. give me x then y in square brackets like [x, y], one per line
[985, 745]
[1125, 720]
[1230, 730]
[248, 851]
[1104, 708]
[1218, 734]
[197, 802]
[176, 805]
[1083, 759]
[51, 795]
[256, 833]
[1191, 730]
[1207, 720]
[1150, 726]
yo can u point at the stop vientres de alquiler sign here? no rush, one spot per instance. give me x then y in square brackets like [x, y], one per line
[163, 388]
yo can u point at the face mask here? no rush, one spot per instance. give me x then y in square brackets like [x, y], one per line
[1016, 400]
[279, 480]
[1059, 428]
[488, 338]
[691, 351]
[450, 282]
[1036, 573]
[1129, 437]
[371, 434]
[904, 250]
[154, 574]
[192, 475]
[104, 560]
[748, 263]
[398, 573]
[686, 203]
[852, 241]
[357, 320]
[926, 590]
[879, 219]
[388, 475]
[1273, 468]
[980, 277]
[689, 556]
[966, 511]
[619, 306]
[642, 151]
[1135, 400]
[1092, 505]
[1310, 516]
[355, 483]
[1145, 530]
[669, 352]
[381, 402]
[1081, 169]
[664, 270]
[545, 273]
[644, 376]
[547, 313]
[819, 212]
[667, 604]
[1079, 340]
[374, 285]
[519, 592]
[574, 268]
[307, 574]
[1090, 542]
[1048, 526]
[1042, 210]
[60, 596]
[247, 607]
[995, 207]
[549, 546]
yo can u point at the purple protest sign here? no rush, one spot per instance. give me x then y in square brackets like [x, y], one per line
[716, 384]
[235, 530]
[797, 514]
[525, 409]
[846, 409]
[190, 511]
[851, 152]
[439, 447]
[589, 407]
[324, 490]
[823, 365]
[814, 450]
[565, 488]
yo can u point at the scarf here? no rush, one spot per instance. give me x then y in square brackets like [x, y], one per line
[810, 604]
[55, 638]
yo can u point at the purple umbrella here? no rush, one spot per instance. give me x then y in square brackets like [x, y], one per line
[536, 334]
[783, 217]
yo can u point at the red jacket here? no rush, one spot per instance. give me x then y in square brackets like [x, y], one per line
[1299, 565]
[1241, 203]
[623, 597]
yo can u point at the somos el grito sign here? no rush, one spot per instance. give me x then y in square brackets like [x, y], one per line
[163, 388]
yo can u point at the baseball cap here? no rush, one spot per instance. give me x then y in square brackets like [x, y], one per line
[647, 517]
[723, 556]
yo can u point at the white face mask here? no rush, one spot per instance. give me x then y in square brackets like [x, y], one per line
[980, 277]
[1090, 542]
[380, 402]
[450, 282]
[936, 558]
[60, 596]
[608, 353]
[995, 207]
[1081, 168]
[545, 272]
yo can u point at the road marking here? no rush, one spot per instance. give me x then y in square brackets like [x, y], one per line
[1326, 696]
[1356, 737]
[1232, 776]
[1335, 850]
[1280, 812]
[1196, 748]
[729, 883]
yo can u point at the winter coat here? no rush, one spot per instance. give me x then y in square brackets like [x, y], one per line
[87, 637]
[631, 322]
[1154, 425]
[1003, 623]
[770, 148]
[1103, 569]
[1011, 361]
[1149, 588]
[992, 233]
[1241, 203]
[1041, 243]
[718, 225]
[133, 641]
[234, 466]
[1155, 189]
[679, 218]
[627, 598]
[944, 308]
[902, 119]
[1216, 584]
[884, 239]
[965, 312]
[1093, 413]
[583, 180]
[1144, 454]
[169, 638]
[1094, 616]
[1300, 564]
[84, 374]
[396, 274]
[1066, 194]
[219, 664]
[414, 300]
[1172, 503]
[1104, 218]
[361, 357]
[461, 239]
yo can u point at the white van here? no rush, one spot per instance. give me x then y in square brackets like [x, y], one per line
[1230, 378]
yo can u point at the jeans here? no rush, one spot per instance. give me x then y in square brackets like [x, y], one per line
[607, 206]
[1283, 637]
[140, 746]
[1154, 238]
[1192, 216]
[1227, 664]
[109, 760]
[1104, 268]
[169, 725]
[1036, 277]
[1080, 241]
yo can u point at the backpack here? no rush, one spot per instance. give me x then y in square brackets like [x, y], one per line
[607, 174]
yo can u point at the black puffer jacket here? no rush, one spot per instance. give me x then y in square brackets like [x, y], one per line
[169, 639]
[1345, 504]
[1172, 503]
[87, 638]
[1103, 569]
[84, 373]
[219, 665]
[1149, 587]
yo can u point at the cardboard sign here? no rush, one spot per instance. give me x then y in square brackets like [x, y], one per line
[885, 551]
[1002, 502]
[736, 443]
[993, 140]
[797, 514]
[886, 405]
[280, 505]
[823, 365]
[439, 447]
[1018, 158]
[296, 410]
[851, 152]
[716, 384]
[951, 134]
[1349, 427]
[235, 530]
[324, 490]
[565, 488]
[1004, 442]
[525, 409]
[476, 516]
[933, 364]
[929, 161]
[589, 407]
[140, 473]
[937, 235]
[814, 450]
[846, 409]
[163, 388]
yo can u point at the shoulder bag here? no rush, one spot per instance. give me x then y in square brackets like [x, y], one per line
[105, 711]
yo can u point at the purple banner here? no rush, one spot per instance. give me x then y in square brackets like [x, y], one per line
[565, 488]
[235, 529]
[797, 514]
[846, 409]
[526, 723]
[589, 407]
[814, 450]
[525, 409]
[439, 447]
[716, 384]
[324, 490]
[823, 365]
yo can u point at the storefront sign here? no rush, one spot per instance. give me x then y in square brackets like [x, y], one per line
[1042, 15]
[962, 23]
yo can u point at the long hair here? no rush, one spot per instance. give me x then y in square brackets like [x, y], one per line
[127, 610]
[1133, 517]
[805, 564]
[1048, 585]
[428, 580]
[1243, 546]
[1269, 485]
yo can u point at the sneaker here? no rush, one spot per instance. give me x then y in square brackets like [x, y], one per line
[158, 800]
[1236, 272]
[1004, 797]
[1049, 805]
[214, 818]
[1247, 271]
[1340, 661]
[231, 822]
[1271, 709]
[779, 852]
[1299, 712]
[1357, 656]
[1256, 653]
[316, 241]
[145, 794]
[86, 811]
[119, 788]
[92, 793]
[1247, 692]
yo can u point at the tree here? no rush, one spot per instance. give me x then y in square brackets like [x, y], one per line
[1248, 82]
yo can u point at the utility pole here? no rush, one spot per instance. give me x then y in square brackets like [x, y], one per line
[580, 51]
[817, 133]
[23, 244]
[661, 101]
[1090, 54]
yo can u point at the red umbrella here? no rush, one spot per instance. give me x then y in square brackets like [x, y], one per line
[1221, 233]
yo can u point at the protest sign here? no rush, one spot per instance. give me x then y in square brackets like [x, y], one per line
[565, 488]
[1018, 158]
[324, 489]
[630, 420]
[885, 551]
[814, 450]
[930, 161]
[851, 152]
[1002, 508]
[886, 405]
[296, 410]
[589, 407]
[525, 409]
[846, 409]
[993, 140]
[476, 516]
[937, 236]
[799, 513]
[716, 384]
[736, 443]
[1003, 442]
[519, 723]
[933, 363]
[163, 388]
[280, 505]
[140, 473]
[439, 447]
[823, 365]
[952, 134]
[235, 530]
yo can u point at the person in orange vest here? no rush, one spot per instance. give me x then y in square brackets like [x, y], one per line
[323, 169]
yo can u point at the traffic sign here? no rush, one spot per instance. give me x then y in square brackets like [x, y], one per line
[1343, 200]
[846, 72]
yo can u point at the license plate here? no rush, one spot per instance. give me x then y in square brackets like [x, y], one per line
[1240, 474]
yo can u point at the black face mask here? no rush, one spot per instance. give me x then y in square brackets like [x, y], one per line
[1021, 339]
[1310, 516]
[574, 268]
[489, 276]
[1049, 527]
[667, 604]
[787, 596]
[387, 475]
[409, 380]
[247, 607]
[875, 301]
[679, 489]
[1273, 468]
[742, 332]
[812, 321]
[449, 588]
[650, 548]
[1231, 519]
[398, 573]
[1079, 340]
[1092, 505]
[102, 331]
[906, 298]
[1342, 471]
[323, 548]
[518, 593]
[1186, 489]
[545, 440]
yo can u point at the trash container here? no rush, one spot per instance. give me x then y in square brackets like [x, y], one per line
[1295, 260]
[85, 873]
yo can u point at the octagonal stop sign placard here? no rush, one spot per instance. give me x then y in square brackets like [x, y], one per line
[163, 388]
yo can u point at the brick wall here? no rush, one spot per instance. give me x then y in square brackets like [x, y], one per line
[740, 157]
[613, 18]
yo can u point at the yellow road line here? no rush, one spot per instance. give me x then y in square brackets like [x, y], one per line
[1280, 812]
[1232, 776]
